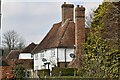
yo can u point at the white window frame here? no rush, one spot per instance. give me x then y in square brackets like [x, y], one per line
[41, 55]
[37, 67]
[36, 56]
[52, 53]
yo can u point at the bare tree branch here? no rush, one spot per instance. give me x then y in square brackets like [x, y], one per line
[12, 40]
[89, 18]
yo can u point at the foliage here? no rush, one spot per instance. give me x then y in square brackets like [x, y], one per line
[43, 72]
[95, 50]
[57, 71]
[99, 60]
[63, 78]
[19, 71]
[112, 64]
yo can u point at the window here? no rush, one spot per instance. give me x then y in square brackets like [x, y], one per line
[43, 66]
[42, 55]
[36, 56]
[52, 53]
[36, 67]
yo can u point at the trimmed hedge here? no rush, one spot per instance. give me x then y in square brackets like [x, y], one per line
[43, 72]
[57, 71]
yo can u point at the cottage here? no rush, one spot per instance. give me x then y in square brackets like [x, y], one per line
[63, 40]
[24, 58]
[26, 53]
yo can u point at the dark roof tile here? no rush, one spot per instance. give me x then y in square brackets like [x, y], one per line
[29, 48]
[60, 35]
[13, 54]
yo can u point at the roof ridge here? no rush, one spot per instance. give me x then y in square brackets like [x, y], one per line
[66, 26]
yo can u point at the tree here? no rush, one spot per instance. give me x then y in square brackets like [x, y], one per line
[12, 40]
[19, 71]
[99, 59]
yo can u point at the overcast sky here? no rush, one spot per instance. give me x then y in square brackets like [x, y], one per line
[32, 20]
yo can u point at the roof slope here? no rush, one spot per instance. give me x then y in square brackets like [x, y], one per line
[14, 54]
[60, 35]
[26, 63]
[29, 48]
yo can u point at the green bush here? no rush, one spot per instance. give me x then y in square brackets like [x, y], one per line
[57, 71]
[43, 72]
[67, 72]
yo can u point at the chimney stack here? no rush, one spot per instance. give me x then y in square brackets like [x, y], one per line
[67, 12]
[79, 32]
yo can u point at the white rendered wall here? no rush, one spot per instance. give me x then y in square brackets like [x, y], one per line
[61, 54]
[46, 54]
[25, 56]
[51, 55]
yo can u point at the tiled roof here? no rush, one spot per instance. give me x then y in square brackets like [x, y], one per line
[13, 57]
[26, 63]
[29, 48]
[60, 35]
[13, 54]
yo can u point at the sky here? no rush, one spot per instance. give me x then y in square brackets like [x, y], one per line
[33, 19]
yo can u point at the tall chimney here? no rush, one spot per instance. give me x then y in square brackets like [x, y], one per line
[67, 12]
[79, 32]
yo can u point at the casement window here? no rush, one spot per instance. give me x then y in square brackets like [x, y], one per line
[42, 55]
[52, 53]
[36, 67]
[43, 66]
[36, 56]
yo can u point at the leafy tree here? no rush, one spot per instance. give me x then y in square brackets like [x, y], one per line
[19, 71]
[99, 59]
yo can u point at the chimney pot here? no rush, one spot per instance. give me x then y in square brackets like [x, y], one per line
[64, 2]
[77, 5]
[81, 5]
[67, 12]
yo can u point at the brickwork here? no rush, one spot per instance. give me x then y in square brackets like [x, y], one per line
[79, 35]
[67, 12]
[7, 72]
[79, 32]
[62, 64]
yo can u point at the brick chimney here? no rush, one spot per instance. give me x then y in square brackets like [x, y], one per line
[67, 12]
[79, 32]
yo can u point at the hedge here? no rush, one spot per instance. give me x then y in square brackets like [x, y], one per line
[57, 71]
[43, 72]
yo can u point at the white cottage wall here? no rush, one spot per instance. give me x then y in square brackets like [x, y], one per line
[53, 56]
[25, 56]
[62, 52]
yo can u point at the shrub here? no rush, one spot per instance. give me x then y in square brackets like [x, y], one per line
[67, 72]
[43, 72]
[57, 71]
